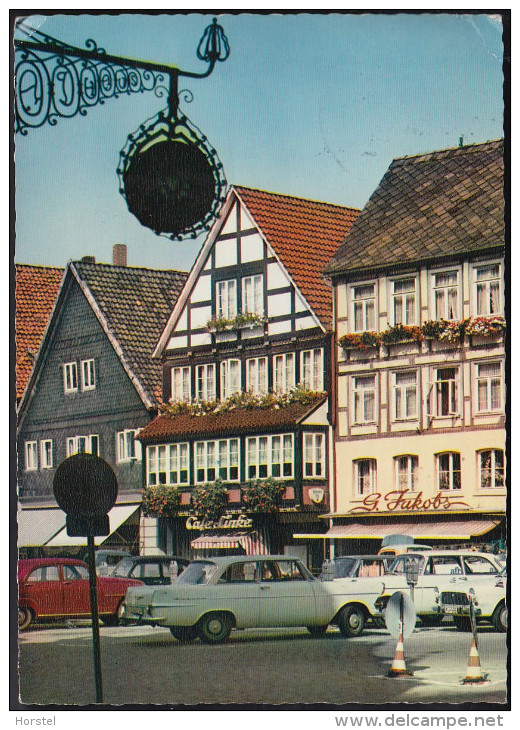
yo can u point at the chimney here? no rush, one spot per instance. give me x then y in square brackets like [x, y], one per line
[89, 259]
[119, 254]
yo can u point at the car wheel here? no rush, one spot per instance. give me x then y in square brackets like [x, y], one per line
[431, 620]
[462, 623]
[214, 628]
[114, 619]
[351, 621]
[25, 618]
[501, 617]
[317, 630]
[184, 634]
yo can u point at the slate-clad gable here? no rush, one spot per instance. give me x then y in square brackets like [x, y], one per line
[440, 204]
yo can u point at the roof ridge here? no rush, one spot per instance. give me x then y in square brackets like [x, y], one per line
[128, 267]
[295, 197]
[40, 266]
[446, 150]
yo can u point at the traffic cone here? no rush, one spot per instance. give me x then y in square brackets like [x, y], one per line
[398, 668]
[474, 672]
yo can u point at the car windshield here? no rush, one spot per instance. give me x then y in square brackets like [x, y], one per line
[197, 573]
[343, 567]
[122, 568]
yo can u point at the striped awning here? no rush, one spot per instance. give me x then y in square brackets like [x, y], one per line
[252, 542]
[37, 526]
[435, 529]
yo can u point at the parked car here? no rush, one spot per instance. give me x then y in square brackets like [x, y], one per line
[215, 595]
[151, 569]
[436, 571]
[359, 566]
[106, 560]
[489, 600]
[59, 587]
[399, 544]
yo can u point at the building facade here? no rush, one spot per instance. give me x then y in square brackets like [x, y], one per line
[420, 442]
[92, 388]
[247, 369]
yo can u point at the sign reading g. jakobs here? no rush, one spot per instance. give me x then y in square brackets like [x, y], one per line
[399, 500]
[225, 522]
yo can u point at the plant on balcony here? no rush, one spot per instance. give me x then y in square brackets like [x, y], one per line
[443, 330]
[401, 333]
[244, 319]
[360, 340]
[263, 495]
[210, 500]
[485, 326]
[160, 501]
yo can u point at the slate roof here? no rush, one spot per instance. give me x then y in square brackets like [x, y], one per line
[36, 289]
[304, 234]
[135, 303]
[444, 203]
[236, 421]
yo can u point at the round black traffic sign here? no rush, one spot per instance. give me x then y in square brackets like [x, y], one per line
[85, 486]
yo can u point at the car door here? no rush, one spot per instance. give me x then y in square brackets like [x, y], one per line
[43, 590]
[287, 597]
[477, 571]
[76, 591]
[238, 591]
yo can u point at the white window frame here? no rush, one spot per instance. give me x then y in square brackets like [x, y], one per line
[493, 469]
[403, 298]
[488, 380]
[205, 382]
[366, 325]
[365, 483]
[451, 472]
[73, 442]
[230, 383]
[452, 388]
[207, 457]
[313, 466]
[405, 390]
[256, 306]
[180, 390]
[256, 380]
[226, 298]
[281, 444]
[410, 474]
[434, 288]
[70, 377]
[126, 444]
[288, 378]
[31, 456]
[498, 310]
[88, 374]
[311, 369]
[167, 459]
[359, 402]
[46, 454]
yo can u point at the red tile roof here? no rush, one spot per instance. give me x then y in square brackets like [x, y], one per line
[238, 420]
[36, 291]
[305, 235]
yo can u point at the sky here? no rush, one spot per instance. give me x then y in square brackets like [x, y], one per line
[311, 105]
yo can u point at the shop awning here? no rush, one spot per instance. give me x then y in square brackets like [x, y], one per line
[252, 542]
[117, 515]
[37, 526]
[438, 529]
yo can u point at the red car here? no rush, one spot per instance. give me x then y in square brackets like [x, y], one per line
[59, 587]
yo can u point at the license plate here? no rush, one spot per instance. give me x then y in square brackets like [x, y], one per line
[450, 609]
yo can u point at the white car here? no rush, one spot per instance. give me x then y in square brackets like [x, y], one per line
[215, 595]
[489, 600]
[436, 571]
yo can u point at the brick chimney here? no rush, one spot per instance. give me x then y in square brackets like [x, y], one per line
[119, 257]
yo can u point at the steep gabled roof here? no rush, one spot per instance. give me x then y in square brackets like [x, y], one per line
[445, 203]
[133, 305]
[36, 290]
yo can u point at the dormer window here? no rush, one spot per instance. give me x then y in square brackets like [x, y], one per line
[226, 299]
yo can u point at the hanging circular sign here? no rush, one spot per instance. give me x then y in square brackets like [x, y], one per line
[171, 178]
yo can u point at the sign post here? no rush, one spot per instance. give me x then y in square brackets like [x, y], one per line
[85, 487]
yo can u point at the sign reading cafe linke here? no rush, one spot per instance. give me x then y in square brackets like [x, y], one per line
[226, 522]
[402, 501]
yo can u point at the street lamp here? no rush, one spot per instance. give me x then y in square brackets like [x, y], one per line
[169, 174]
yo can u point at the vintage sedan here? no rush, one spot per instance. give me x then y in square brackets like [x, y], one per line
[433, 572]
[489, 600]
[153, 570]
[213, 596]
[60, 588]
[360, 566]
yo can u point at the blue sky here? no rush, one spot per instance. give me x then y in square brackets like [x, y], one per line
[309, 105]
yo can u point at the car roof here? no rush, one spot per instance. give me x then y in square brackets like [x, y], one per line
[447, 553]
[364, 557]
[219, 560]
[155, 558]
[27, 564]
